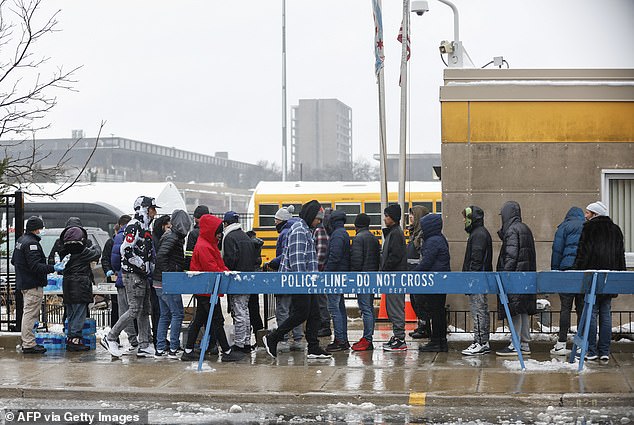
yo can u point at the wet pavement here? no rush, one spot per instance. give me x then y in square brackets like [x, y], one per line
[433, 380]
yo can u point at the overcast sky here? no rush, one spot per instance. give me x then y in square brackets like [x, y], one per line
[206, 75]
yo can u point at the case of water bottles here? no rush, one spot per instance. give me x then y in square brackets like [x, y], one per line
[88, 332]
[55, 282]
[52, 341]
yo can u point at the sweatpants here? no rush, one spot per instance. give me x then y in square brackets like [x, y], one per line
[395, 307]
[480, 315]
[241, 321]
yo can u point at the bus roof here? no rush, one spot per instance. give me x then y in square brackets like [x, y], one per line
[329, 187]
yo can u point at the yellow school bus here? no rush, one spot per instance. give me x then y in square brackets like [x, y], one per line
[351, 197]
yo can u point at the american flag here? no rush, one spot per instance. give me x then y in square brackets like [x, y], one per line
[400, 40]
[378, 37]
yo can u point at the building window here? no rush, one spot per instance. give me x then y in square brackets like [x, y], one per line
[617, 193]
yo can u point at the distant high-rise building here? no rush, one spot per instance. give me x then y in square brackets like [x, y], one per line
[321, 134]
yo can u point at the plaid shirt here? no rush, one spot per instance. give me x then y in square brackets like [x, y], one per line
[321, 246]
[299, 253]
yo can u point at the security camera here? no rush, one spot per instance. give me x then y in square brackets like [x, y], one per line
[446, 47]
[420, 6]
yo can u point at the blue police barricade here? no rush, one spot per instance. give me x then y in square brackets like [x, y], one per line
[590, 283]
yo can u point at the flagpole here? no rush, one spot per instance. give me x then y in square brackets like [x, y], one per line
[403, 130]
[378, 70]
[284, 113]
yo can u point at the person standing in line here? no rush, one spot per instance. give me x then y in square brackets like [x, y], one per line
[478, 257]
[122, 297]
[434, 254]
[517, 254]
[338, 261]
[365, 256]
[109, 273]
[300, 256]
[238, 253]
[394, 258]
[192, 236]
[283, 221]
[320, 236]
[170, 257]
[257, 325]
[423, 328]
[77, 284]
[207, 258]
[137, 263]
[601, 247]
[563, 256]
[30, 278]
[160, 226]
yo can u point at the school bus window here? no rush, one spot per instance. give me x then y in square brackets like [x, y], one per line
[351, 210]
[267, 214]
[297, 207]
[325, 205]
[373, 209]
[428, 205]
[438, 207]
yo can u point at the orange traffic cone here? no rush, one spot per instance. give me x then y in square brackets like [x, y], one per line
[410, 315]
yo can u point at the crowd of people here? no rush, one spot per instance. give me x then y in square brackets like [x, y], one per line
[146, 245]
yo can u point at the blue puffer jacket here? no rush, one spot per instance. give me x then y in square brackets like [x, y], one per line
[435, 249]
[338, 244]
[115, 257]
[566, 240]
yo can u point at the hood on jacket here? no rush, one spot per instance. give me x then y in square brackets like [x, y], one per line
[474, 218]
[209, 225]
[418, 212]
[181, 223]
[337, 219]
[574, 213]
[431, 225]
[73, 222]
[510, 213]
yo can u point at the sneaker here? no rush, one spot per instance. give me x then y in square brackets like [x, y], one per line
[477, 349]
[396, 345]
[324, 332]
[130, 350]
[389, 342]
[111, 346]
[525, 348]
[591, 356]
[434, 346]
[507, 351]
[213, 350]
[560, 349]
[174, 354]
[296, 346]
[160, 354]
[190, 357]
[318, 353]
[232, 356]
[37, 349]
[604, 358]
[363, 345]
[75, 344]
[146, 352]
[270, 345]
[246, 349]
[338, 345]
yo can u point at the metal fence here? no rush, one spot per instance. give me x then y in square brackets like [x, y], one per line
[12, 207]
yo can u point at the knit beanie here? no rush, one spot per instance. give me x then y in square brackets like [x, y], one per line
[201, 210]
[598, 208]
[34, 223]
[285, 213]
[309, 211]
[394, 212]
[362, 220]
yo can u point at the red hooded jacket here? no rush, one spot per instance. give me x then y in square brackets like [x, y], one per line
[207, 257]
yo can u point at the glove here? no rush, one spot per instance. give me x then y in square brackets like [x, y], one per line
[109, 273]
[58, 267]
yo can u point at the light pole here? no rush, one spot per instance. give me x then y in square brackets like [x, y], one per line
[454, 50]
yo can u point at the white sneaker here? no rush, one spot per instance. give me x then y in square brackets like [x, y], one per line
[559, 349]
[111, 346]
[476, 349]
[148, 351]
[131, 350]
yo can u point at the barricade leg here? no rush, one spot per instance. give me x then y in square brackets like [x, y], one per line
[581, 339]
[205, 341]
[514, 338]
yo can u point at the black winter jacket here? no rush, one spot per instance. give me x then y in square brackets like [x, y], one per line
[106, 254]
[478, 256]
[516, 255]
[435, 250]
[170, 253]
[77, 276]
[30, 262]
[393, 256]
[601, 246]
[365, 253]
[338, 244]
[192, 237]
[238, 250]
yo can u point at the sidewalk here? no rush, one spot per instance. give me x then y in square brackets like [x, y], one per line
[382, 378]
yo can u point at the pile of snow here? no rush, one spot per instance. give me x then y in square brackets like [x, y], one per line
[347, 406]
[554, 365]
[206, 367]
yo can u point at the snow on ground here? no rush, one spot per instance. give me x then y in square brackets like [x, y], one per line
[554, 365]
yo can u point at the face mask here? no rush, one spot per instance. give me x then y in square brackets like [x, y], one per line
[468, 220]
[42, 232]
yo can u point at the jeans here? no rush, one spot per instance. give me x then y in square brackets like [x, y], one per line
[138, 292]
[304, 308]
[282, 311]
[603, 310]
[337, 310]
[76, 314]
[522, 325]
[130, 330]
[323, 311]
[566, 309]
[366, 307]
[172, 314]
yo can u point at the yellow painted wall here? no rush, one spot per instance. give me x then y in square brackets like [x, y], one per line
[537, 122]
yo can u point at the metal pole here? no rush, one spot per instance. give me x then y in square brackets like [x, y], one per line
[456, 19]
[403, 133]
[284, 127]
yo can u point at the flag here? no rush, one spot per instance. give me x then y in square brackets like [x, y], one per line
[378, 37]
[400, 40]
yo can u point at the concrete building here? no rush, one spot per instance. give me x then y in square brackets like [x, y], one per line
[321, 134]
[548, 139]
